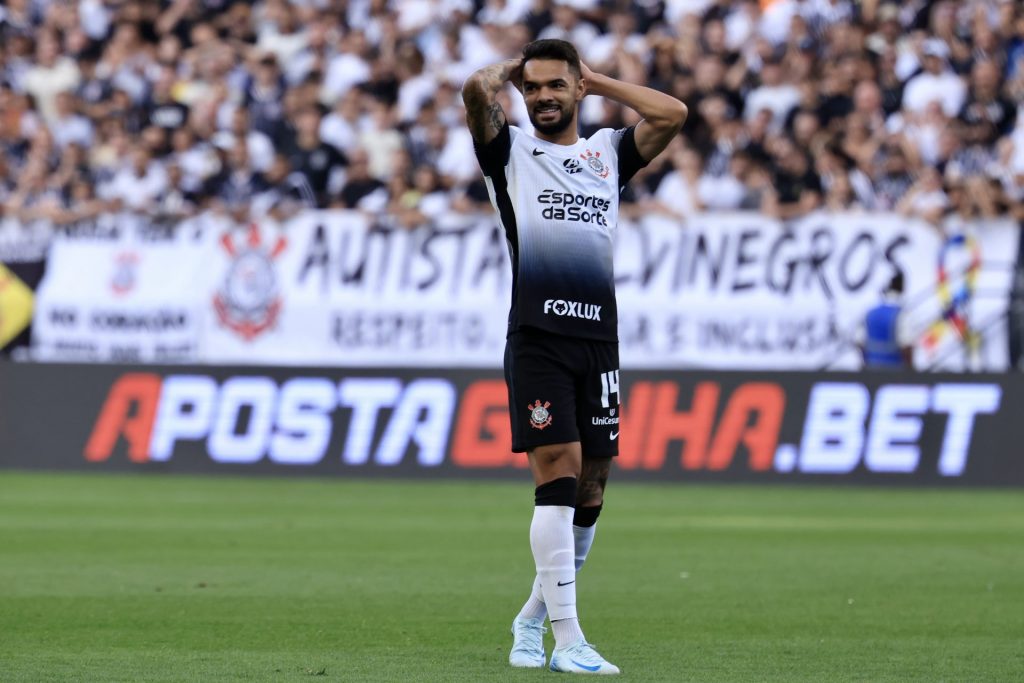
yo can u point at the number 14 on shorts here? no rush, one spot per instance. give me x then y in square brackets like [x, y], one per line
[609, 386]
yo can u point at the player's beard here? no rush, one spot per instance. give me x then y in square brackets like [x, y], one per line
[558, 125]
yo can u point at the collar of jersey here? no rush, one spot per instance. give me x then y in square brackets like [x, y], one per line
[555, 147]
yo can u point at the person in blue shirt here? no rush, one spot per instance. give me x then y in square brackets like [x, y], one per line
[884, 338]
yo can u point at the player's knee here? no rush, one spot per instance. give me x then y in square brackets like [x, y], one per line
[563, 458]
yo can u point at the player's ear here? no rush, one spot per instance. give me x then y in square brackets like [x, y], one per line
[581, 88]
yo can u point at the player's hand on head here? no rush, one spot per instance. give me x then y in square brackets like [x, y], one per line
[586, 74]
[515, 76]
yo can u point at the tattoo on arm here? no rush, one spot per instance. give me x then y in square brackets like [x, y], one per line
[496, 116]
[484, 115]
[484, 118]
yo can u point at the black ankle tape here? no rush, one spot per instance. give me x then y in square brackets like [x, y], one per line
[586, 516]
[558, 492]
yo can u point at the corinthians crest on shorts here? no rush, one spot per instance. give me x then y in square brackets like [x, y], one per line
[249, 301]
[540, 418]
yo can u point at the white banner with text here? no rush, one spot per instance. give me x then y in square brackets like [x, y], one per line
[338, 288]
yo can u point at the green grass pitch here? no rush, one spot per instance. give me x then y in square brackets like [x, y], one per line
[148, 578]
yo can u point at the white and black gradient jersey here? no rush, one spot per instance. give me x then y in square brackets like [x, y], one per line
[559, 206]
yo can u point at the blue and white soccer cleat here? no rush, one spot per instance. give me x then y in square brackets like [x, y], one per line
[581, 658]
[527, 643]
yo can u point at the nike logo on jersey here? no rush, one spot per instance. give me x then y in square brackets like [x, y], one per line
[566, 583]
[537, 152]
[613, 436]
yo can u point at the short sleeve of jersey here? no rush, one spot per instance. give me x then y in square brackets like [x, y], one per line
[630, 160]
[494, 155]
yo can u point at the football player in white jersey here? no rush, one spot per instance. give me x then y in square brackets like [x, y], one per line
[557, 197]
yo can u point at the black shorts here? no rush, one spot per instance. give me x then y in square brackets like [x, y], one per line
[563, 389]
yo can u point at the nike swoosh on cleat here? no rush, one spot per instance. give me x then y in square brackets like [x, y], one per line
[537, 152]
[566, 583]
[584, 666]
[613, 436]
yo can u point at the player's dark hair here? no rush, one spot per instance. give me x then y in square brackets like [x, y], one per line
[551, 48]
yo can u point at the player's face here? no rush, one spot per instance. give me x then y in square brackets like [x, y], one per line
[552, 92]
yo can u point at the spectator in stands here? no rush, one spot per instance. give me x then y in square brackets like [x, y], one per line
[138, 185]
[774, 94]
[362, 190]
[682, 193]
[307, 154]
[937, 83]
[885, 339]
[67, 125]
[161, 108]
[987, 114]
[340, 127]
[50, 74]
[797, 188]
[926, 198]
[283, 193]
[423, 201]
[891, 175]
[260, 148]
[237, 182]
[264, 95]
[177, 203]
[845, 186]
[348, 68]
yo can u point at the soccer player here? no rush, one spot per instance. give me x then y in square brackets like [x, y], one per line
[557, 197]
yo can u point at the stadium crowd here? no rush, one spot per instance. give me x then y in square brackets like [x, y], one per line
[172, 107]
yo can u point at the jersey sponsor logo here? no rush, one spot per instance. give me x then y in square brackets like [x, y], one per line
[578, 208]
[571, 166]
[540, 417]
[593, 160]
[556, 198]
[572, 309]
[604, 421]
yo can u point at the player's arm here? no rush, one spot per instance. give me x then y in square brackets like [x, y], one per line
[484, 115]
[663, 115]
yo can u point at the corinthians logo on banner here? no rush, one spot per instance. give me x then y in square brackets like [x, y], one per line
[249, 299]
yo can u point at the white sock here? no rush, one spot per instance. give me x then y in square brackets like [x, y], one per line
[584, 538]
[534, 607]
[566, 631]
[553, 547]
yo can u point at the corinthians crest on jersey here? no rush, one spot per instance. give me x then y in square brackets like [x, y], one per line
[593, 160]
